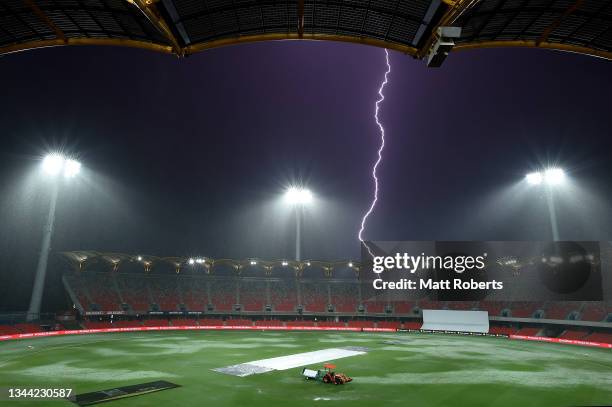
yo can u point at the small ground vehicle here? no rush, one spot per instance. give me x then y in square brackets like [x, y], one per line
[326, 375]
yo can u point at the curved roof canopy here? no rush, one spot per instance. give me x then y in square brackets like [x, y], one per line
[183, 27]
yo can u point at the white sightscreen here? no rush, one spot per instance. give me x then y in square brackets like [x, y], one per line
[462, 321]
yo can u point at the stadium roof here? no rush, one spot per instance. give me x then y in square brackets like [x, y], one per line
[184, 27]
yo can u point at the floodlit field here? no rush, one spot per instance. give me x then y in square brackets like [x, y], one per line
[415, 370]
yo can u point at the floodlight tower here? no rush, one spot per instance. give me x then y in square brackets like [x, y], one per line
[53, 165]
[298, 198]
[549, 179]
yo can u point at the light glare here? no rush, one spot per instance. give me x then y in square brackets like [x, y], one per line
[53, 163]
[554, 176]
[551, 176]
[534, 178]
[298, 196]
[71, 168]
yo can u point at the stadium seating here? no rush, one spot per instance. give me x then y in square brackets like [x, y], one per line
[388, 324]
[110, 291]
[184, 322]
[223, 293]
[524, 309]
[575, 334]
[9, 330]
[344, 296]
[559, 310]
[412, 325]
[427, 304]
[528, 331]
[155, 322]
[253, 294]
[164, 292]
[594, 311]
[403, 307]
[134, 292]
[238, 322]
[375, 307]
[103, 292]
[502, 330]
[331, 324]
[493, 308]
[462, 305]
[210, 322]
[314, 296]
[300, 323]
[79, 287]
[283, 295]
[97, 324]
[194, 293]
[28, 328]
[270, 322]
[599, 337]
[360, 324]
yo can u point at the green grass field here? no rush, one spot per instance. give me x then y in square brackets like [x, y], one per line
[424, 370]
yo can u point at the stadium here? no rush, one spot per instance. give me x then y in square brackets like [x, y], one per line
[197, 315]
[206, 210]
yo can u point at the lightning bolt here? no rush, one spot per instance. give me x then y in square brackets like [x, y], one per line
[380, 149]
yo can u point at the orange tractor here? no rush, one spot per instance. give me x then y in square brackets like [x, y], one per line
[327, 375]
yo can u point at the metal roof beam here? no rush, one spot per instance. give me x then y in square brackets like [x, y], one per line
[23, 46]
[58, 33]
[149, 9]
[532, 44]
[553, 26]
[300, 18]
[235, 40]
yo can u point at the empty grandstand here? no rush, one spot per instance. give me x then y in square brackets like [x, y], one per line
[282, 294]
[265, 294]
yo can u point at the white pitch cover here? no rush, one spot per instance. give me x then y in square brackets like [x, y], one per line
[303, 359]
[460, 321]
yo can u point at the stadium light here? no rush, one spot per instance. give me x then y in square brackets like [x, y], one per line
[298, 197]
[554, 176]
[534, 178]
[53, 164]
[191, 261]
[550, 177]
[139, 258]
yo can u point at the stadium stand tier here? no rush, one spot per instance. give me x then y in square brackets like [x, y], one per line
[142, 293]
[260, 294]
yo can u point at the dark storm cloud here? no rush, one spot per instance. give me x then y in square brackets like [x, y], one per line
[189, 156]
